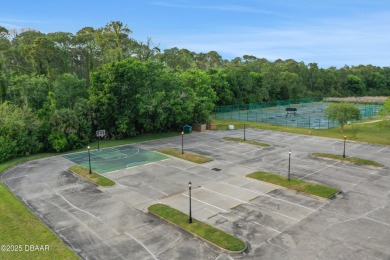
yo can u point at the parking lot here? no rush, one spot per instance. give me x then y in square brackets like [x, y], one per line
[276, 223]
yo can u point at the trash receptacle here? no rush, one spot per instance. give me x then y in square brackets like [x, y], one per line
[187, 129]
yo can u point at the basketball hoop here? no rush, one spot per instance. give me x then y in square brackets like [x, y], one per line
[100, 134]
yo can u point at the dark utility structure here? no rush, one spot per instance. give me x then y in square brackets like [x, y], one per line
[291, 110]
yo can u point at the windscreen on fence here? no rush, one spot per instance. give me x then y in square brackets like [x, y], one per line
[302, 113]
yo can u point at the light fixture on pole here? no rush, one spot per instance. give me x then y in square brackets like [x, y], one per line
[189, 189]
[244, 133]
[289, 163]
[89, 160]
[345, 139]
[182, 142]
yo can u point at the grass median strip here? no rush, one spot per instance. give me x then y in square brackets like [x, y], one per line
[214, 235]
[347, 159]
[20, 230]
[235, 139]
[192, 157]
[295, 184]
[94, 177]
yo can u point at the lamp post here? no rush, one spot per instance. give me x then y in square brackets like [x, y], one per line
[182, 142]
[345, 139]
[289, 163]
[89, 159]
[244, 132]
[189, 189]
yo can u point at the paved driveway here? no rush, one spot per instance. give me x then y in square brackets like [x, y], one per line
[112, 223]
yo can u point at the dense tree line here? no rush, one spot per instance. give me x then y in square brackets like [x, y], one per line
[56, 89]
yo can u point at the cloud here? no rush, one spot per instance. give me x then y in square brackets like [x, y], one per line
[329, 42]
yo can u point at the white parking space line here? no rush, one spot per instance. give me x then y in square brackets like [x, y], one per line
[377, 221]
[267, 195]
[319, 170]
[245, 202]
[139, 242]
[381, 150]
[204, 202]
[230, 197]
[269, 242]
[277, 231]
[158, 190]
[277, 213]
[14, 178]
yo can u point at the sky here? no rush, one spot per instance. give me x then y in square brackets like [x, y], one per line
[327, 32]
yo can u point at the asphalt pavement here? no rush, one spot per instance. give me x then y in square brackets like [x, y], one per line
[276, 223]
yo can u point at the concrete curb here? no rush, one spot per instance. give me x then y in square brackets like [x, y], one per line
[222, 250]
[79, 176]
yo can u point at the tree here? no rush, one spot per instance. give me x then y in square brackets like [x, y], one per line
[342, 113]
[385, 110]
[18, 131]
[114, 40]
[67, 89]
[200, 83]
[355, 85]
[385, 113]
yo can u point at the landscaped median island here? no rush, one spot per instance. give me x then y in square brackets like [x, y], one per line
[295, 184]
[23, 236]
[235, 139]
[203, 230]
[93, 177]
[346, 159]
[192, 157]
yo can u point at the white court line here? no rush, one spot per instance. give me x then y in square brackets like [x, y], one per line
[185, 195]
[139, 242]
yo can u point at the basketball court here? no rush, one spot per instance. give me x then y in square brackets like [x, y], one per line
[113, 159]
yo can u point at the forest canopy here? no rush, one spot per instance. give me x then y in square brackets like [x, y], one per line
[57, 89]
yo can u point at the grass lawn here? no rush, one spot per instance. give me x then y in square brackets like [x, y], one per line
[192, 157]
[235, 139]
[18, 226]
[214, 235]
[374, 133]
[347, 159]
[94, 177]
[295, 184]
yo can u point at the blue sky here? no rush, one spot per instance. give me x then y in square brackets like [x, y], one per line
[328, 32]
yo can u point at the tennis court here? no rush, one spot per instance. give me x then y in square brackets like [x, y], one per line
[112, 159]
[308, 114]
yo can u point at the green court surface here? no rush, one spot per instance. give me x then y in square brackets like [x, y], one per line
[112, 159]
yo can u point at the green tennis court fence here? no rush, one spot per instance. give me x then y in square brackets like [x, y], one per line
[308, 115]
